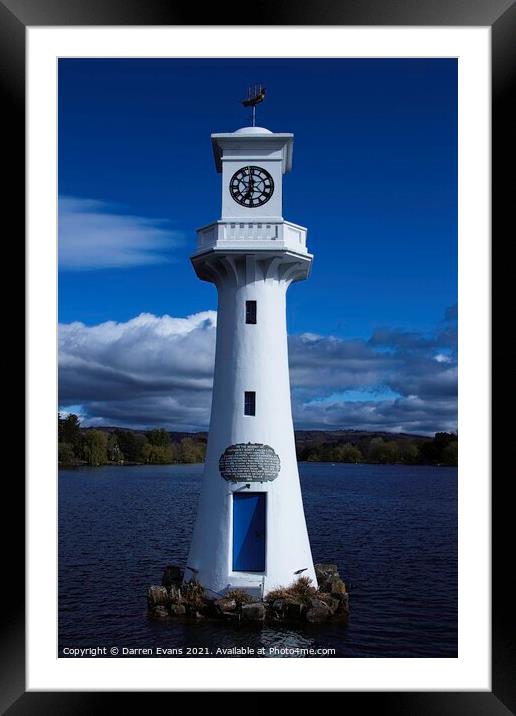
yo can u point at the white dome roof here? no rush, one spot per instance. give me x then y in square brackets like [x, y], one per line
[252, 130]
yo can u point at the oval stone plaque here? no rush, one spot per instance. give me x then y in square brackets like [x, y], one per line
[249, 462]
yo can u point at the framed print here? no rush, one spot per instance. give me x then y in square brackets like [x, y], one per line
[134, 558]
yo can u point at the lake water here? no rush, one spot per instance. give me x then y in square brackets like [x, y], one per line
[392, 531]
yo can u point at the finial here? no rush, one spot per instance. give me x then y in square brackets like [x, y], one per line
[255, 95]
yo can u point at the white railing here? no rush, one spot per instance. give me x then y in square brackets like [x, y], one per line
[267, 235]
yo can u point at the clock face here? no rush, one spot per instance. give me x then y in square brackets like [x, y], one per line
[251, 186]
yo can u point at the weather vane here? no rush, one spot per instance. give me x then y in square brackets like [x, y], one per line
[255, 95]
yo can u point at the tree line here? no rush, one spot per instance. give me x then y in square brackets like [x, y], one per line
[88, 446]
[442, 449]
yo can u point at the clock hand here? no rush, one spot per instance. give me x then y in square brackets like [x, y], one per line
[249, 190]
[250, 186]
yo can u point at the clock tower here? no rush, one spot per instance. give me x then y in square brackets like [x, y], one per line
[250, 530]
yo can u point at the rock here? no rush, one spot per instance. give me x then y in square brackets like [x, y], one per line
[254, 612]
[224, 605]
[342, 612]
[323, 572]
[294, 609]
[172, 575]
[177, 610]
[343, 603]
[279, 606]
[197, 610]
[156, 596]
[336, 586]
[318, 612]
[173, 598]
[277, 610]
[174, 594]
[231, 616]
[331, 602]
[287, 608]
[160, 611]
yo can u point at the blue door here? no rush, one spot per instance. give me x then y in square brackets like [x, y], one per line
[249, 531]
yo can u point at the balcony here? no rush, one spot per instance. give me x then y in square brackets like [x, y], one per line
[266, 236]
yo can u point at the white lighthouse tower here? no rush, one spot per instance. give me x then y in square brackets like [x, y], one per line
[250, 530]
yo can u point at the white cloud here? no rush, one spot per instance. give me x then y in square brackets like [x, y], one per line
[94, 236]
[158, 370]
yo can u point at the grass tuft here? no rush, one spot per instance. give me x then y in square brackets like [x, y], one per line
[302, 591]
[192, 594]
[240, 596]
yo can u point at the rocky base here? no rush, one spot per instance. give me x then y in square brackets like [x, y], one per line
[299, 602]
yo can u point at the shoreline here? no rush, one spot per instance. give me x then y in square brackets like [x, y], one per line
[62, 466]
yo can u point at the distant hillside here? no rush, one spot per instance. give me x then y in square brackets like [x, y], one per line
[325, 436]
[174, 435]
[302, 436]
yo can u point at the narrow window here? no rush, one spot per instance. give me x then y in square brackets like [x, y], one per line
[250, 311]
[249, 402]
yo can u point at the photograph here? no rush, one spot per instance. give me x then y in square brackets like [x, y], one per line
[260, 259]
[257, 427]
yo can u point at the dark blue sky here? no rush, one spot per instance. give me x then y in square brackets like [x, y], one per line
[372, 332]
[374, 180]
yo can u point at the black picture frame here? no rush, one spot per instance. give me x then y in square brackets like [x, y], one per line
[500, 15]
